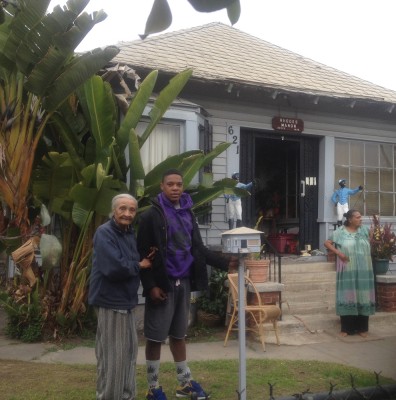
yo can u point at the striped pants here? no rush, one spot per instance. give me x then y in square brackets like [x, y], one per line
[116, 353]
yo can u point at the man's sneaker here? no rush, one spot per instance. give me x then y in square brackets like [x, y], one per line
[192, 390]
[156, 394]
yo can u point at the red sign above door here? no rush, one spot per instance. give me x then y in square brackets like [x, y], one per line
[285, 124]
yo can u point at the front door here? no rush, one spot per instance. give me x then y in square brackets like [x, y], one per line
[285, 167]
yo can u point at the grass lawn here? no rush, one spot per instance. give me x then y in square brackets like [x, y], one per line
[38, 381]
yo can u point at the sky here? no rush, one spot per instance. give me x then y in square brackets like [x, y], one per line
[354, 36]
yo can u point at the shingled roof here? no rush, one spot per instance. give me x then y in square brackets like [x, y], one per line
[218, 52]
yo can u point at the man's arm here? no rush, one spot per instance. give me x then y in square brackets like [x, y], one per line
[214, 259]
[351, 192]
[145, 244]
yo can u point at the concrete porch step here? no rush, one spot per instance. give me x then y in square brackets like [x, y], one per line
[300, 287]
[324, 294]
[315, 276]
[319, 307]
[290, 266]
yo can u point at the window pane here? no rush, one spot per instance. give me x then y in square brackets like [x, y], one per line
[371, 155]
[357, 177]
[340, 173]
[372, 204]
[372, 179]
[386, 180]
[386, 201]
[341, 152]
[357, 153]
[357, 202]
[386, 155]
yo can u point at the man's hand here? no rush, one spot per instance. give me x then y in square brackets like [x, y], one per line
[145, 263]
[157, 295]
[148, 260]
[151, 255]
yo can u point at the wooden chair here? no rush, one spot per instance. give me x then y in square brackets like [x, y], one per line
[258, 313]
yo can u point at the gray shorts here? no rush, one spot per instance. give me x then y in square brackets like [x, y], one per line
[170, 317]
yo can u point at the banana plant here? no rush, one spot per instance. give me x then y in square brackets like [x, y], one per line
[100, 169]
[38, 72]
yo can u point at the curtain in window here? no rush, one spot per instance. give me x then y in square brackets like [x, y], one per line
[163, 142]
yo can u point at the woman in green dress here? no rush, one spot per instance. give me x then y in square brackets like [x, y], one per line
[355, 293]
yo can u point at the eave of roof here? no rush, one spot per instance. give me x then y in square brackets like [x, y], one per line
[219, 53]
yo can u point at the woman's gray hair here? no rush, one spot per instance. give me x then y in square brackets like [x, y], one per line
[118, 197]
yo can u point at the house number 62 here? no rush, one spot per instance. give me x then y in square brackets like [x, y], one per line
[234, 138]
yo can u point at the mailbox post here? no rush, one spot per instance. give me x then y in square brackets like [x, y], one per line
[241, 241]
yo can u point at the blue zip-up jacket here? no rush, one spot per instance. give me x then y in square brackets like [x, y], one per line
[114, 278]
[341, 195]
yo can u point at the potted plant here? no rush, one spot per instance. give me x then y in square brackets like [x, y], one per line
[383, 245]
[258, 267]
[212, 305]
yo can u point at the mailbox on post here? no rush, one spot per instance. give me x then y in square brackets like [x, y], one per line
[241, 241]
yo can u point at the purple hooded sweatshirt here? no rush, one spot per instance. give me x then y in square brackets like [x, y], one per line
[179, 222]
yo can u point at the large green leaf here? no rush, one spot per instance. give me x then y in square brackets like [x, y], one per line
[215, 152]
[234, 11]
[52, 180]
[190, 167]
[28, 16]
[89, 175]
[211, 5]
[135, 160]
[164, 100]
[155, 175]
[206, 195]
[89, 199]
[80, 215]
[136, 108]
[160, 18]
[100, 105]
[76, 73]
[5, 29]
[70, 140]
[50, 45]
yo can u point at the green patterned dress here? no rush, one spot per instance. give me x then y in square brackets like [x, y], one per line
[355, 293]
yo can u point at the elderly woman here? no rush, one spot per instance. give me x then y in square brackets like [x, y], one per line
[355, 296]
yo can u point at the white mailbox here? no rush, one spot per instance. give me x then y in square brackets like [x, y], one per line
[241, 240]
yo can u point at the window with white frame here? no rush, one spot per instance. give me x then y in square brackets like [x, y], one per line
[163, 142]
[372, 165]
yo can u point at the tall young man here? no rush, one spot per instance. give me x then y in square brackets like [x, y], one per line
[179, 266]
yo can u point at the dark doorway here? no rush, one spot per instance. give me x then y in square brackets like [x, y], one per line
[285, 167]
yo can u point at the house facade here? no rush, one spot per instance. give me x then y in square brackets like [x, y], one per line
[295, 126]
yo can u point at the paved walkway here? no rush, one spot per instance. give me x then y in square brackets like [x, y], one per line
[376, 353]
